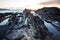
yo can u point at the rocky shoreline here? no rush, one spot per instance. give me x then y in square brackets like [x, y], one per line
[25, 26]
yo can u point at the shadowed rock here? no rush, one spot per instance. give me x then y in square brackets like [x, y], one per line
[51, 19]
[24, 26]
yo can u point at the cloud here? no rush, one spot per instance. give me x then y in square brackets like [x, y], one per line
[34, 4]
[52, 3]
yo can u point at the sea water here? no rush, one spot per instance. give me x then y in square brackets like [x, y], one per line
[4, 11]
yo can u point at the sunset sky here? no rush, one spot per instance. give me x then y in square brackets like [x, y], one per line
[31, 4]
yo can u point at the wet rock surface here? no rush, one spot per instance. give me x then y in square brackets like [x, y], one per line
[25, 26]
[51, 19]
[21, 26]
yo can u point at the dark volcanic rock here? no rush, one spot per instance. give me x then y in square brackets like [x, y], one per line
[52, 13]
[23, 26]
[51, 19]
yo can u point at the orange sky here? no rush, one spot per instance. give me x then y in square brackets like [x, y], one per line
[50, 4]
[30, 4]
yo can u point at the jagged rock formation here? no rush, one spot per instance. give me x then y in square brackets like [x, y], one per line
[52, 13]
[23, 26]
[51, 18]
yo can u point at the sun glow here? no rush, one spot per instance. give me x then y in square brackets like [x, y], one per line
[29, 4]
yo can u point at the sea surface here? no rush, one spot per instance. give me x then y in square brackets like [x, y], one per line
[4, 11]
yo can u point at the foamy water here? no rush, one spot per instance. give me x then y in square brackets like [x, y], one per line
[4, 11]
